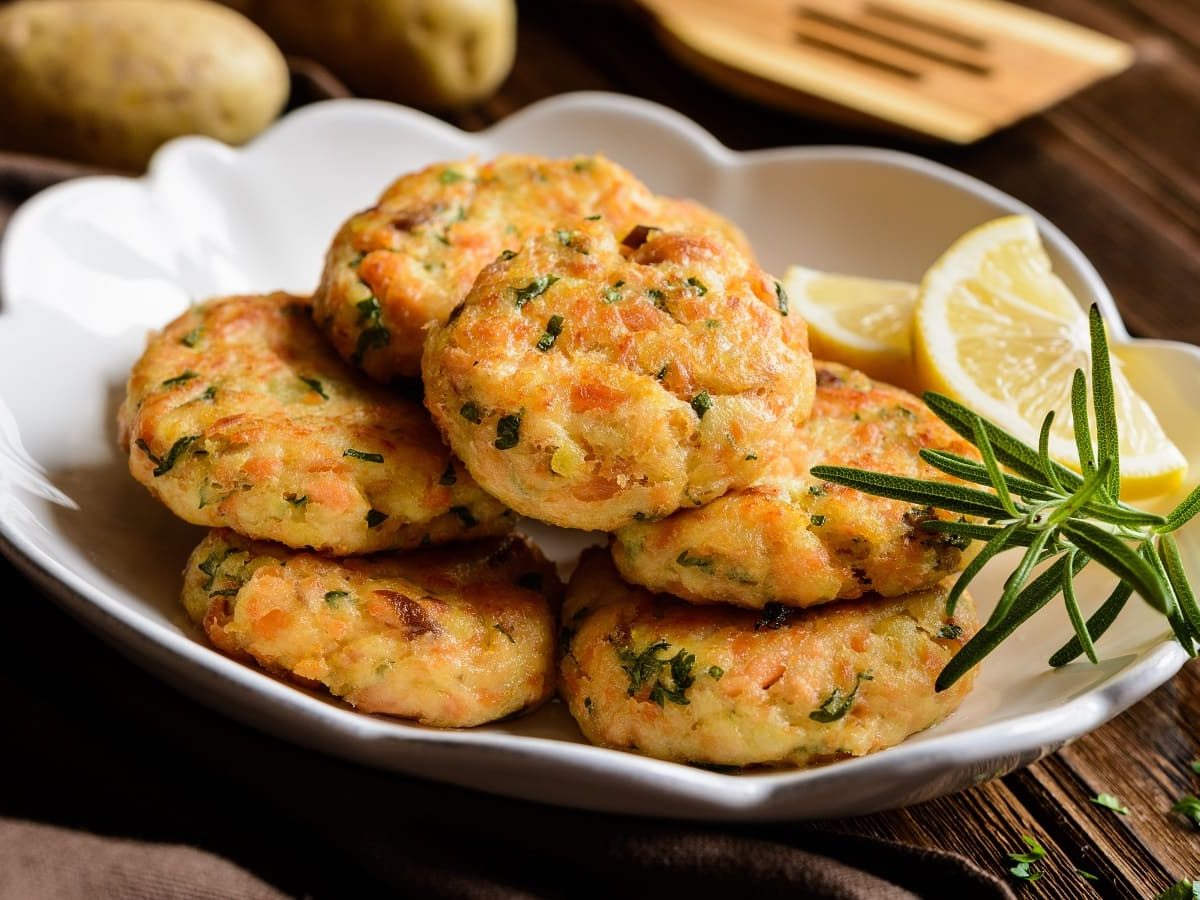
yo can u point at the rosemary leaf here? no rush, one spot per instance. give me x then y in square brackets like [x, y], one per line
[1096, 625]
[1044, 454]
[969, 470]
[1037, 594]
[1079, 417]
[1168, 551]
[1002, 540]
[1072, 602]
[1182, 514]
[1014, 453]
[993, 468]
[946, 496]
[1016, 581]
[1086, 491]
[1115, 555]
[1104, 403]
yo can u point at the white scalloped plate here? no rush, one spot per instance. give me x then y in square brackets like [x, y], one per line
[90, 266]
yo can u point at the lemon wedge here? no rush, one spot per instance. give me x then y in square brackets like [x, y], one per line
[997, 330]
[864, 323]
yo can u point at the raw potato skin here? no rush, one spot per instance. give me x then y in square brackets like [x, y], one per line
[432, 53]
[446, 636]
[238, 414]
[419, 249]
[797, 540]
[109, 81]
[756, 679]
[674, 378]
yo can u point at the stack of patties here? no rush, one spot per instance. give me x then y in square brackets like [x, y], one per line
[350, 549]
[599, 358]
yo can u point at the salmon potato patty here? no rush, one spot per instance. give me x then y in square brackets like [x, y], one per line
[412, 257]
[726, 686]
[449, 636]
[238, 414]
[589, 383]
[797, 540]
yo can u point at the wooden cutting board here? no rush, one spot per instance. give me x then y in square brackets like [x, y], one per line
[953, 69]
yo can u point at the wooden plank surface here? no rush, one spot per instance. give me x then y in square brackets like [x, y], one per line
[1117, 169]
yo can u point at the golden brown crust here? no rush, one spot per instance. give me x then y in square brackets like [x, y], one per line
[410, 259]
[450, 636]
[801, 541]
[725, 686]
[238, 414]
[586, 384]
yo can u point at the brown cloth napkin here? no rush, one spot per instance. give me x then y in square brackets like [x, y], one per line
[93, 744]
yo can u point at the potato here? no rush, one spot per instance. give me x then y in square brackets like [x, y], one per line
[108, 81]
[432, 53]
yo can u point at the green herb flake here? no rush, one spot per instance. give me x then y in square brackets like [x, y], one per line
[504, 631]
[358, 258]
[950, 632]
[508, 254]
[817, 520]
[450, 176]
[700, 286]
[701, 403]
[647, 668]
[662, 373]
[564, 236]
[448, 477]
[364, 456]
[659, 298]
[715, 673]
[375, 518]
[782, 298]
[1186, 889]
[688, 561]
[209, 393]
[595, 218]
[1026, 867]
[374, 335]
[1189, 807]
[167, 463]
[471, 412]
[508, 431]
[225, 592]
[535, 288]
[443, 238]
[465, 516]
[333, 597]
[191, 338]
[211, 565]
[368, 309]
[315, 385]
[1108, 801]
[296, 500]
[553, 330]
[587, 704]
[816, 490]
[838, 704]
[612, 294]
[181, 378]
[751, 456]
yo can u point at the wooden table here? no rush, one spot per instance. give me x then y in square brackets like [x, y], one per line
[1117, 169]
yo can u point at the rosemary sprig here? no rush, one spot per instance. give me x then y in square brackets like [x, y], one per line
[1066, 518]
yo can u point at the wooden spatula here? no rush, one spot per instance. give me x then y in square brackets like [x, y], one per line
[953, 69]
